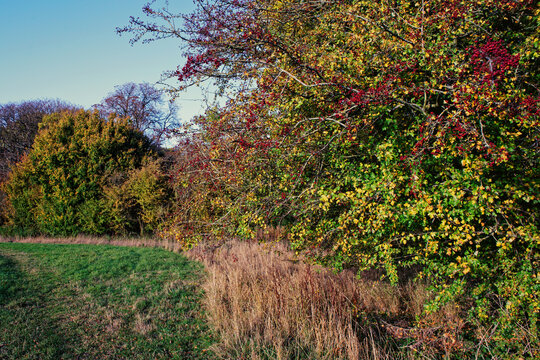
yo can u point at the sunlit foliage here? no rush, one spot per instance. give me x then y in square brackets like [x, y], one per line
[87, 175]
[394, 135]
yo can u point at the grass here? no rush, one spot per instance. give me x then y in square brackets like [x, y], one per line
[96, 302]
[173, 246]
[260, 300]
[266, 303]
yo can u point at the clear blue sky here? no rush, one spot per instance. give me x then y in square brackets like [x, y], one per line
[69, 49]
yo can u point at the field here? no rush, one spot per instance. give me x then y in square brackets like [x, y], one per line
[90, 299]
[91, 302]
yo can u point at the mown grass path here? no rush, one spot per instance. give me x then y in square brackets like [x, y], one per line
[99, 302]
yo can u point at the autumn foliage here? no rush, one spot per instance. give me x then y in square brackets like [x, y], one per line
[395, 136]
[398, 138]
[86, 175]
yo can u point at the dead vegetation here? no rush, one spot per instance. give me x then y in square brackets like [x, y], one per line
[97, 240]
[268, 304]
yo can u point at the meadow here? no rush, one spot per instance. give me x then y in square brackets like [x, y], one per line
[79, 301]
[134, 298]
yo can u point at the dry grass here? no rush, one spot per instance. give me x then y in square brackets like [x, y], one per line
[266, 303]
[98, 240]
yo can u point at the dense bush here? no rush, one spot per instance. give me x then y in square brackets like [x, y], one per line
[18, 127]
[85, 174]
[396, 137]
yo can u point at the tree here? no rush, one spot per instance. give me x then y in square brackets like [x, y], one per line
[389, 135]
[146, 108]
[19, 125]
[86, 174]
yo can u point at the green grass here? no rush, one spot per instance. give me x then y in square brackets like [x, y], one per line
[99, 302]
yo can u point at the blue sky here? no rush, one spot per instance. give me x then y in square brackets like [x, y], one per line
[68, 49]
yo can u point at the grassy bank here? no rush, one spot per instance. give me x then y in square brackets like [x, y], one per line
[90, 302]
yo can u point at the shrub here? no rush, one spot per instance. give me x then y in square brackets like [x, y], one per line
[384, 135]
[63, 186]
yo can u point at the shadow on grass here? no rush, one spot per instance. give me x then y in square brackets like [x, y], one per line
[100, 302]
[11, 279]
[25, 326]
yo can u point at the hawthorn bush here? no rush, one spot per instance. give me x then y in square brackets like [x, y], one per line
[85, 174]
[401, 137]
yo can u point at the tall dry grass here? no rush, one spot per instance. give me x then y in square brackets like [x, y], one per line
[267, 304]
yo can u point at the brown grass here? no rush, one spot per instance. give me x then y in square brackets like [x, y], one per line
[98, 240]
[267, 303]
